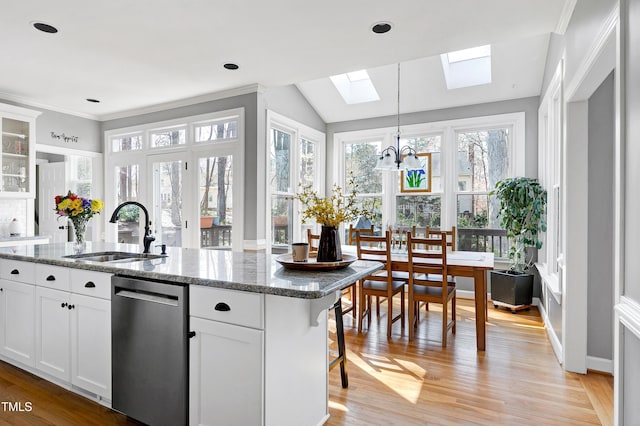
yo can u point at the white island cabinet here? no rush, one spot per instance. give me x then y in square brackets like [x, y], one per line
[256, 359]
[17, 311]
[73, 327]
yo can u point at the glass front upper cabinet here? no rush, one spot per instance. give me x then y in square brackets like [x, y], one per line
[17, 155]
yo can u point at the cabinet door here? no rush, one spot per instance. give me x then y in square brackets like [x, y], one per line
[91, 344]
[225, 374]
[18, 321]
[52, 332]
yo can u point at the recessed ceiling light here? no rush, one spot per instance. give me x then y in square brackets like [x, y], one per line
[95, 101]
[231, 66]
[381, 27]
[45, 28]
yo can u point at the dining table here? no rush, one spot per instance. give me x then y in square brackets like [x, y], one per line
[470, 264]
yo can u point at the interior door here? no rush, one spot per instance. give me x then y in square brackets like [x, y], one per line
[51, 182]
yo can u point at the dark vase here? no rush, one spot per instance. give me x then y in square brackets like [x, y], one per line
[329, 249]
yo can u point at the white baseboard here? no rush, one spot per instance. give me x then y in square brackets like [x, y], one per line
[551, 334]
[600, 364]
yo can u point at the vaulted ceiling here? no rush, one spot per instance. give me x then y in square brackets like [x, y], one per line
[132, 55]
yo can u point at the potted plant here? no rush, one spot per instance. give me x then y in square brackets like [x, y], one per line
[521, 212]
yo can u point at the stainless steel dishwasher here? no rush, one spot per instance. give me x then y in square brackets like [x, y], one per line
[150, 350]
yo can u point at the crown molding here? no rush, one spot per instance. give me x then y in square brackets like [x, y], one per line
[35, 104]
[565, 16]
[243, 90]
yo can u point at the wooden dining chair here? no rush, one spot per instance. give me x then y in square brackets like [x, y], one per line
[450, 236]
[423, 265]
[351, 236]
[350, 291]
[381, 283]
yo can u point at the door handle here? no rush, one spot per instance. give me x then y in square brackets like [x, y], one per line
[222, 307]
[191, 334]
[90, 284]
[51, 278]
[15, 272]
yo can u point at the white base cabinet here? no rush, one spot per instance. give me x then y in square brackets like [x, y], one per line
[17, 320]
[225, 381]
[73, 327]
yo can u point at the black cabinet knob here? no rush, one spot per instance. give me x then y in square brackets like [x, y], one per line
[223, 307]
[191, 334]
[51, 278]
[71, 307]
[64, 305]
[15, 272]
[90, 284]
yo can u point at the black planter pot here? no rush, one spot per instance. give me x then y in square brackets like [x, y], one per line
[329, 249]
[512, 289]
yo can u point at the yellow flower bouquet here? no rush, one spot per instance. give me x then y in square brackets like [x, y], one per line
[79, 210]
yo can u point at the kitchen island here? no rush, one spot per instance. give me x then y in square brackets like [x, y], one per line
[262, 361]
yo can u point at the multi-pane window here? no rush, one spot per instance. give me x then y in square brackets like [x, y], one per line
[467, 158]
[295, 161]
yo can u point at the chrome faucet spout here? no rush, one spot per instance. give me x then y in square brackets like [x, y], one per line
[148, 238]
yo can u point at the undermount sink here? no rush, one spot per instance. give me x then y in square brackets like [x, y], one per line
[113, 256]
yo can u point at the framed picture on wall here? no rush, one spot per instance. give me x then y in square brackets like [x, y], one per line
[417, 180]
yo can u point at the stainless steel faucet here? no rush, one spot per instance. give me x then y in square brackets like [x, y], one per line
[148, 238]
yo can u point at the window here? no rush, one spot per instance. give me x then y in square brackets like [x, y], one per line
[467, 158]
[180, 170]
[295, 159]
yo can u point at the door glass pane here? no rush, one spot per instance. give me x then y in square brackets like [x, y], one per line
[279, 173]
[15, 155]
[128, 189]
[483, 159]
[216, 202]
[167, 202]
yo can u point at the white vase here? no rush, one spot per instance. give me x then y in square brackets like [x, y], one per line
[16, 228]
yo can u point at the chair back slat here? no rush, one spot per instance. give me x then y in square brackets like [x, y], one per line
[431, 261]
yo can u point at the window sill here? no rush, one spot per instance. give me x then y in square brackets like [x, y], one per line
[550, 281]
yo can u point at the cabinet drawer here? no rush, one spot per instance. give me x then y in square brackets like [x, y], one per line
[56, 277]
[23, 272]
[232, 307]
[91, 283]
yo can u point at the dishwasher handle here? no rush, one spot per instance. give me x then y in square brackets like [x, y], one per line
[145, 296]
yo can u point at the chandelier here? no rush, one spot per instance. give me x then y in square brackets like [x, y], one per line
[394, 157]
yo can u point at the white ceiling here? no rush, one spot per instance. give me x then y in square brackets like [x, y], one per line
[136, 54]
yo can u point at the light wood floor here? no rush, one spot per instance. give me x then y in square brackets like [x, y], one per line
[516, 381]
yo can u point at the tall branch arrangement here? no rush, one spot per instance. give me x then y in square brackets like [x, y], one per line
[333, 210]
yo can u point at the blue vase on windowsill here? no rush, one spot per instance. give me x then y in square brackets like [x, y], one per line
[329, 249]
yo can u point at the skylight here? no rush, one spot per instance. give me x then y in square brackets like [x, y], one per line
[355, 87]
[468, 67]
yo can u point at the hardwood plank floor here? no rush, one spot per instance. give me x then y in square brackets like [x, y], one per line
[516, 381]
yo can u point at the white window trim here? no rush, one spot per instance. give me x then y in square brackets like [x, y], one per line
[448, 129]
[298, 131]
[193, 150]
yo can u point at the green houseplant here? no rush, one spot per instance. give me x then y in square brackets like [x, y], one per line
[522, 209]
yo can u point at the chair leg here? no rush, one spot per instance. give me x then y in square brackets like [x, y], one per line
[453, 313]
[412, 313]
[378, 307]
[354, 297]
[360, 308]
[402, 311]
[445, 323]
[342, 354]
[389, 316]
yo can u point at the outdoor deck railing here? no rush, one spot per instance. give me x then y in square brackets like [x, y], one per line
[484, 239]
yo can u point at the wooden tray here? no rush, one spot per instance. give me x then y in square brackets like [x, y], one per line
[312, 264]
